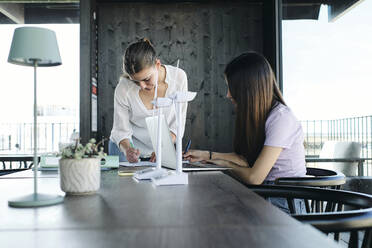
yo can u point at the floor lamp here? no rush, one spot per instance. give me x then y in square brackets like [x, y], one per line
[36, 47]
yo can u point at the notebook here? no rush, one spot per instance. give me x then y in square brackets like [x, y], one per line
[51, 162]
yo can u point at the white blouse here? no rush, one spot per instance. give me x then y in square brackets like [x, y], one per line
[130, 112]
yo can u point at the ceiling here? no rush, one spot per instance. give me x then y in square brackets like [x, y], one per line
[37, 12]
[68, 11]
[309, 9]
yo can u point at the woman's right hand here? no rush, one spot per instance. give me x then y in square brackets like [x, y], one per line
[196, 155]
[132, 155]
[153, 157]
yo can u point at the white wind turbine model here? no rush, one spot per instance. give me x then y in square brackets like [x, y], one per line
[159, 175]
[173, 177]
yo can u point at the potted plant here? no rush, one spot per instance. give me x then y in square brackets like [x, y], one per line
[79, 168]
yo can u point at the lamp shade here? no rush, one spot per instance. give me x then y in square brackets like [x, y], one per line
[34, 43]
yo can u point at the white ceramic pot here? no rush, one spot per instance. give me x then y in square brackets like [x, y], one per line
[80, 176]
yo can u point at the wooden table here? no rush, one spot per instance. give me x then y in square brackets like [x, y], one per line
[214, 210]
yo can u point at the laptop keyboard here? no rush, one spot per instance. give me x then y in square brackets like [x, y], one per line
[194, 165]
[188, 165]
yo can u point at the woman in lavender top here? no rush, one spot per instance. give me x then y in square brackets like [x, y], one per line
[268, 140]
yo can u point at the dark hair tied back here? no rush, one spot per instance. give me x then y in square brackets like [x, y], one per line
[138, 56]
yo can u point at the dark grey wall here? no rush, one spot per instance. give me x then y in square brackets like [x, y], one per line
[204, 36]
[86, 70]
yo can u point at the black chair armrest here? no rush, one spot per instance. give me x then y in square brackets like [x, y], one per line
[317, 160]
[312, 156]
[316, 178]
[339, 221]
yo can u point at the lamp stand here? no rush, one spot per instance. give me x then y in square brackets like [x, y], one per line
[35, 199]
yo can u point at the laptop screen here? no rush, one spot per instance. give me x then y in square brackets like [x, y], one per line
[168, 151]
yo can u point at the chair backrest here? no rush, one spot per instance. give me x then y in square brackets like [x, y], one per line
[316, 177]
[333, 219]
[341, 149]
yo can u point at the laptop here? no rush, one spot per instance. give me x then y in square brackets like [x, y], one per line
[169, 157]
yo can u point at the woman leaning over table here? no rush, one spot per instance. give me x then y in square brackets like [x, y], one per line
[132, 101]
[268, 140]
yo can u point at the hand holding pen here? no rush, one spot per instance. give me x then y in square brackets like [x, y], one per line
[132, 153]
[187, 146]
[195, 155]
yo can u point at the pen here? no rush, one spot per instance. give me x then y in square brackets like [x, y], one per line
[131, 143]
[187, 146]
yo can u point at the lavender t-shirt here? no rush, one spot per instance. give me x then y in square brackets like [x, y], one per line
[282, 129]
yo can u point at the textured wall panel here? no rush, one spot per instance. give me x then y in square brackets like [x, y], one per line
[203, 36]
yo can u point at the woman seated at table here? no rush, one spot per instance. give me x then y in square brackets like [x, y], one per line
[268, 140]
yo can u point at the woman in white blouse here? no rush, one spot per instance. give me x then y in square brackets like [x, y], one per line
[132, 101]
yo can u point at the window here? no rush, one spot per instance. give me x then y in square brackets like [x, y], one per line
[57, 87]
[326, 65]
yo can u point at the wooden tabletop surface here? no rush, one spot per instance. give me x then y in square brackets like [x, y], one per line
[214, 210]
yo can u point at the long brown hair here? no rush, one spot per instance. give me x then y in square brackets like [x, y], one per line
[253, 87]
[138, 56]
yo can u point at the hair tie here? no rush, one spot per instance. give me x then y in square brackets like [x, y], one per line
[147, 41]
